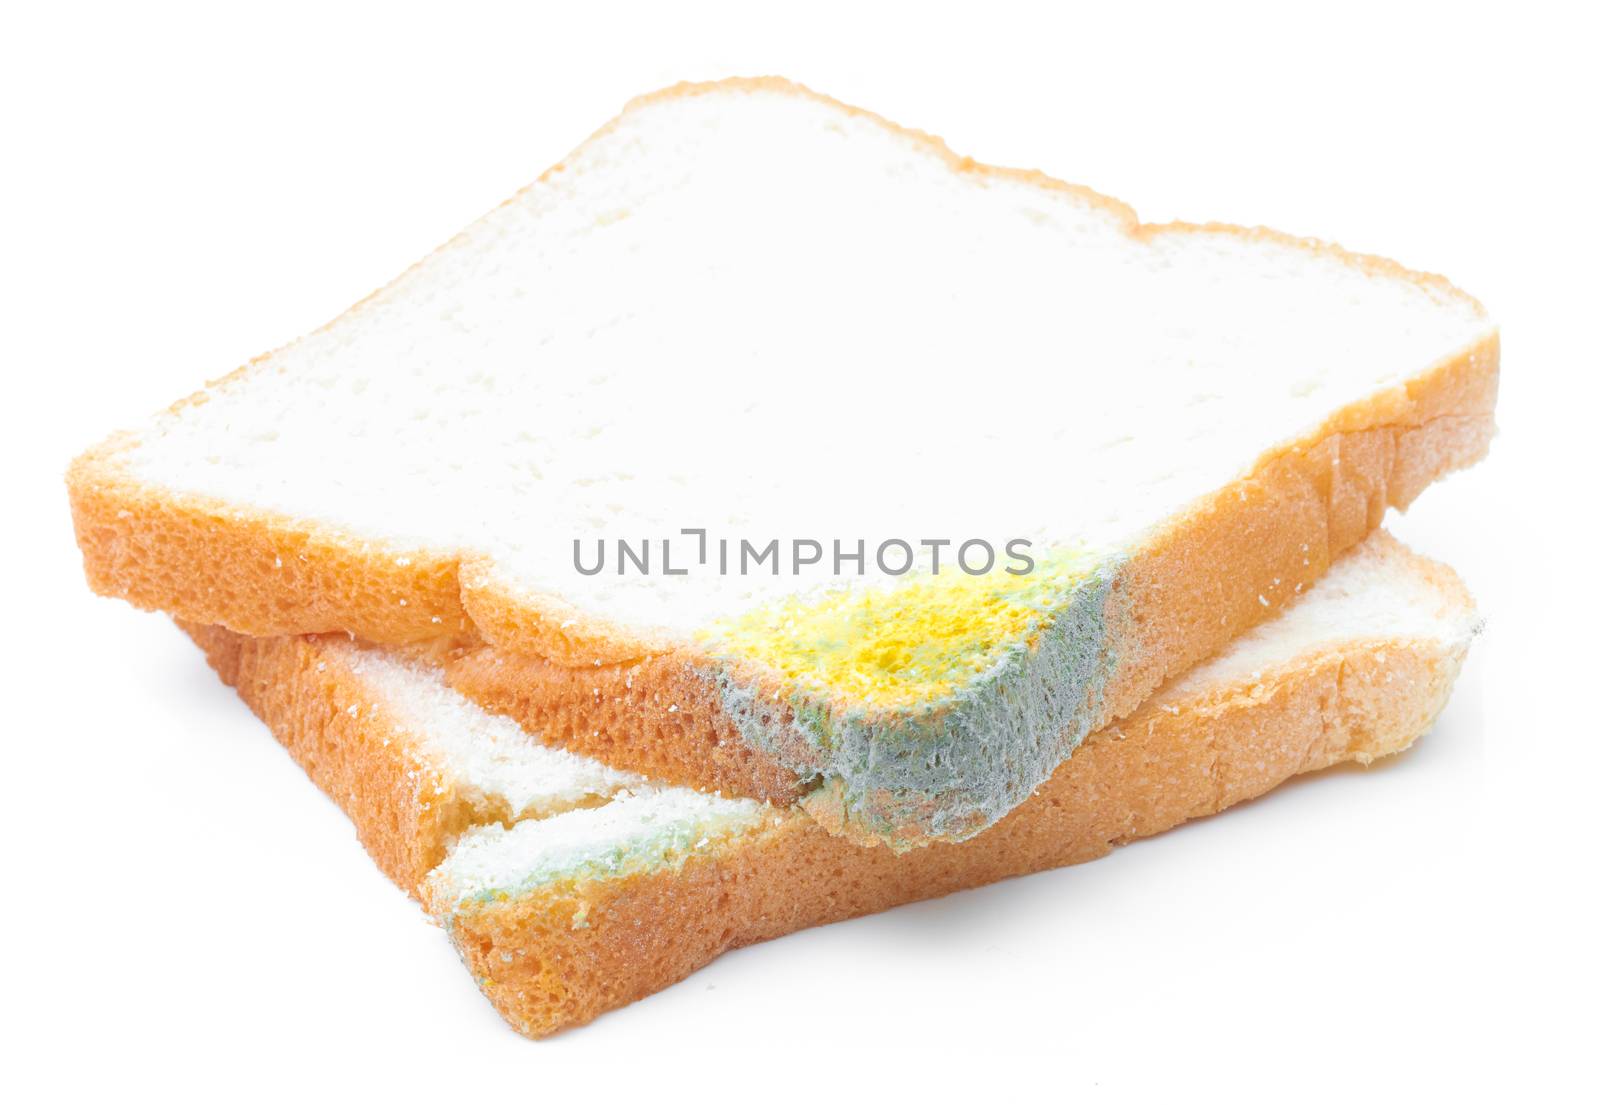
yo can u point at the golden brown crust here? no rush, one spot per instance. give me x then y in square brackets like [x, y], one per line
[657, 716]
[214, 564]
[1194, 586]
[554, 960]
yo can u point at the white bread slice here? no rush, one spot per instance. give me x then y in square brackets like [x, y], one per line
[562, 918]
[748, 308]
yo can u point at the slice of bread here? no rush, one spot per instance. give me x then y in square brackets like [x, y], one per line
[750, 312]
[565, 916]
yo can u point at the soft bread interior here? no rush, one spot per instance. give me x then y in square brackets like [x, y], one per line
[670, 330]
[746, 318]
[488, 759]
[638, 831]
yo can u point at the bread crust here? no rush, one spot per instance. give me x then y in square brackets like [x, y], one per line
[588, 684]
[561, 957]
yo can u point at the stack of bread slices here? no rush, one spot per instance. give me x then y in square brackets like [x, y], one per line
[593, 566]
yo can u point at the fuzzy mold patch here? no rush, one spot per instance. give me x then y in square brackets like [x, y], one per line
[951, 759]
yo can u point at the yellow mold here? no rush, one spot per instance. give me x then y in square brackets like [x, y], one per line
[907, 644]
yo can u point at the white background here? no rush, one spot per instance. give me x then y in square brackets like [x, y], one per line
[184, 189]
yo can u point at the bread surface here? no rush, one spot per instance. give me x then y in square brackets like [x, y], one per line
[1165, 588]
